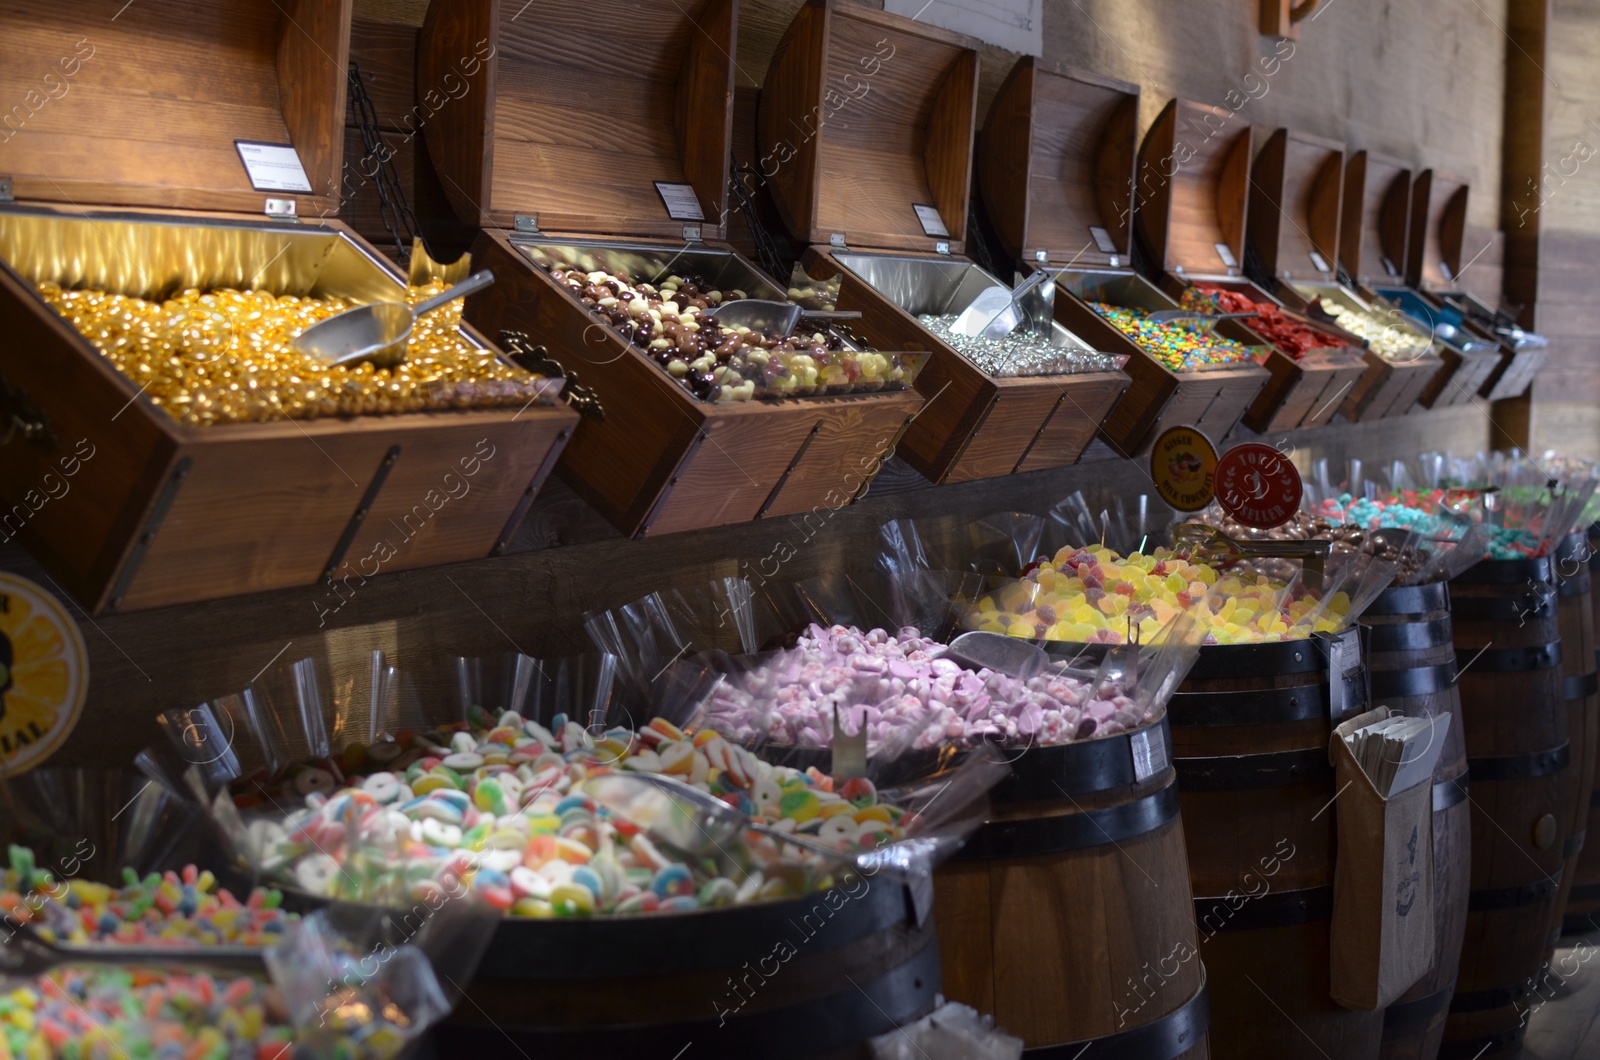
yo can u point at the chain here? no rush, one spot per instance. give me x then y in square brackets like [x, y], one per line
[767, 252]
[393, 208]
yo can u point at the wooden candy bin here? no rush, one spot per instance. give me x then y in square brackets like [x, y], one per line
[548, 169]
[1438, 226]
[154, 512]
[1524, 353]
[1175, 177]
[1372, 240]
[1296, 194]
[866, 117]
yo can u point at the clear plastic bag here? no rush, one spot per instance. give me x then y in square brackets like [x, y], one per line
[366, 982]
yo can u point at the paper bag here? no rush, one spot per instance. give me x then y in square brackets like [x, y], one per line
[1383, 882]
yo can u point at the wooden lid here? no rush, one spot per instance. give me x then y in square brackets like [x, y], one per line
[865, 117]
[1377, 208]
[572, 113]
[119, 104]
[1056, 164]
[1296, 193]
[1192, 192]
[1438, 227]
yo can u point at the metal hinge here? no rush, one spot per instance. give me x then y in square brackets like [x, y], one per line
[536, 359]
[941, 248]
[1116, 262]
[6, 195]
[691, 233]
[526, 222]
[1041, 256]
[836, 239]
[282, 210]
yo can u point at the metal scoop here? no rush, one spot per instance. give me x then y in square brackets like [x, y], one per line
[685, 818]
[27, 954]
[1212, 547]
[377, 332]
[772, 318]
[994, 313]
[1013, 656]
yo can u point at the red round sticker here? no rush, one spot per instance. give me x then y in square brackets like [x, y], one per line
[1257, 485]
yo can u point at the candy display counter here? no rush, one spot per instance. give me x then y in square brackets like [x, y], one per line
[878, 113]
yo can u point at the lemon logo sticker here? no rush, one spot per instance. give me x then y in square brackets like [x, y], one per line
[44, 673]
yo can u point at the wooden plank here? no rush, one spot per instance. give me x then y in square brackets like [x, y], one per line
[179, 84]
[387, 55]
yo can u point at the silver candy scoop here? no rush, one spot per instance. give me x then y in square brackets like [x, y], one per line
[29, 955]
[994, 313]
[771, 318]
[377, 332]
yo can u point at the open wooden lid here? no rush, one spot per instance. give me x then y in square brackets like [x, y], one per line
[1438, 227]
[1296, 193]
[1193, 188]
[1056, 164]
[1375, 227]
[119, 104]
[588, 118]
[865, 129]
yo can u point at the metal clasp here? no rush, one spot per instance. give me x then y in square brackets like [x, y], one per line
[282, 210]
[527, 223]
[691, 233]
[941, 248]
[6, 194]
[836, 239]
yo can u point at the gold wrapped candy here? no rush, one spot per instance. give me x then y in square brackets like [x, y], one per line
[223, 356]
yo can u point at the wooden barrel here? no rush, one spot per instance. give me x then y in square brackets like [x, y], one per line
[1411, 664]
[1250, 731]
[1583, 900]
[1067, 915]
[1581, 687]
[1508, 662]
[812, 978]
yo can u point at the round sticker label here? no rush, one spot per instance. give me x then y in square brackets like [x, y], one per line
[44, 673]
[1183, 465]
[1257, 485]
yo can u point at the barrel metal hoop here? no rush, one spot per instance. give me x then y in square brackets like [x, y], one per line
[1511, 660]
[1413, 681]
[1520, 767]
[1412, 600]
[1409, 636]
[1448, 793]
[1493, 898]
[1504, 571]
[1080, 831]
[1473, 1048]
[1580, 686]
[1405, 1015]
[1583, 892]
[1518, 608]
[807, 1028]
[1578, 586]
[1275, 770]
[1043, 773]
[1274, 658]
[595, 948]
[1161, 1039]
[1495, 997]
[1265, 706]
[1269, 910]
